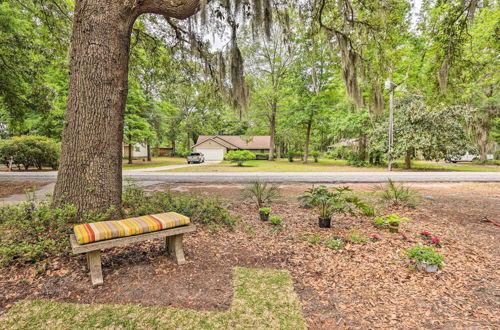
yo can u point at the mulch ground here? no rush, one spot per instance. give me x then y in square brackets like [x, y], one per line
[363, 285]
[8, 188]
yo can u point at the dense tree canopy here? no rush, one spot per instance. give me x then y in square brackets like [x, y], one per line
[310, 73]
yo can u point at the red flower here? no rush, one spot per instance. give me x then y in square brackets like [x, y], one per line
[435, 240]
[425, 233]
[374, 236]
[403, 236]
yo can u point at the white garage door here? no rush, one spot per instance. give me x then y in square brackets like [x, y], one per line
[212, 154]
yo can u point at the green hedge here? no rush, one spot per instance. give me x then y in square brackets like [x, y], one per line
[30, 151]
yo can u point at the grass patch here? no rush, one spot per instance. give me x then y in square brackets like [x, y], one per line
[262, 299]
[281, 165]
[331, 165]
[155, 162]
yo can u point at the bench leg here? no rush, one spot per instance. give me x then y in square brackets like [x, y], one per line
[94, 264]
[174, 248]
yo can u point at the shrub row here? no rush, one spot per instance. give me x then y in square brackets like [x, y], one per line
[30, 151]
[31, 232]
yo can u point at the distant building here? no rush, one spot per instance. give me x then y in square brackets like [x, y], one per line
[214, 147]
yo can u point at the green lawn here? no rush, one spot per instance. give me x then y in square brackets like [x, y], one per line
[156, 162]
[329, 165]
[262, 299]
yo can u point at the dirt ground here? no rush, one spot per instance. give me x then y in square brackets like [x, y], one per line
[8, 188]
[360, 286]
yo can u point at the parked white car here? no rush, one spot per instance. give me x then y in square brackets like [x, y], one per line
[195, 157]
[467, 158]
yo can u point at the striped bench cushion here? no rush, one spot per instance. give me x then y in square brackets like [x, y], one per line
[99, 231]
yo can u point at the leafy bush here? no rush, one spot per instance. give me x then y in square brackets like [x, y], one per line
[290, 156]
[340, 152]
[239, 156]
[277, 220]
[398, 194]
[29, 151]
[425, 254]
[30, 232]
[392, 220]
[137, 202]
[329, 202]
[315, 154]
[261, 193]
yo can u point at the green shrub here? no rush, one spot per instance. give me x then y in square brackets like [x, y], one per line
[335, 200]
[261, 193]
[392, 220]
[398, 194]
[427, 254]
[315, 154]
[239, 156]
[30, 151]
[206, 210]
[290, 156]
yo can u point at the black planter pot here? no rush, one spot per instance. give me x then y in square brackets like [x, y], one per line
[264, 216]
[325, 223]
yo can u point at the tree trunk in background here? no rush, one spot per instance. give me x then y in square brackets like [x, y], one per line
[149, 152]
[90, 174]
[188, 142]
[408, 155]
[130, 153]
[308, 137]
[273, 130]
[173, 147]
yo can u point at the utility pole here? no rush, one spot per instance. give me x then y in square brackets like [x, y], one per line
[391, 86]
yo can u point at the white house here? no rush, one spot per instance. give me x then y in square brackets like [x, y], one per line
[138, 150]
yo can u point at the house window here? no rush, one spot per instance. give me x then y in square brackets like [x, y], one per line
[137, 149]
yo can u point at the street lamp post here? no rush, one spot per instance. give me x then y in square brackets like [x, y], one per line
[389, 84]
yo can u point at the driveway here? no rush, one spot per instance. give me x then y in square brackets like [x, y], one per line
[147, 175]
[169, 167]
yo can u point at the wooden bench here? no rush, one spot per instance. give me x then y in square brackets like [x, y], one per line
[173, 243]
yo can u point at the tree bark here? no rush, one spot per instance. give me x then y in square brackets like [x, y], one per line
[90, 173]
[308, 137]
[408, 159]
[149, 152]
[130, 153]
[273, 130]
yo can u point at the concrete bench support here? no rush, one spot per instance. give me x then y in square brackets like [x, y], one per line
[173, 239]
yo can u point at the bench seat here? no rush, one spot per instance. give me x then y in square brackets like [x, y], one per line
[173, 227]
[105, 230]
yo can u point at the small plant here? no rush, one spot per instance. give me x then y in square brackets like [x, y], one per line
[374, 238]
[315, 154]
[329, 202]
[392, 221]
[425, 234]
[239, 156]
[334, 243]
[404, 237]
[425, 257]
[399, 194]
[354, 236]
[290, 156]
[261, 192]
[435, 241]
[264, 213]
[277, 220]
[278, 223]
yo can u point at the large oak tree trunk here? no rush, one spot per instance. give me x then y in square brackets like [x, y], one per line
[308, 138]
[90, 173]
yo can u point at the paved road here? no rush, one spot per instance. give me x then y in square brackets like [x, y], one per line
[318, 177]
